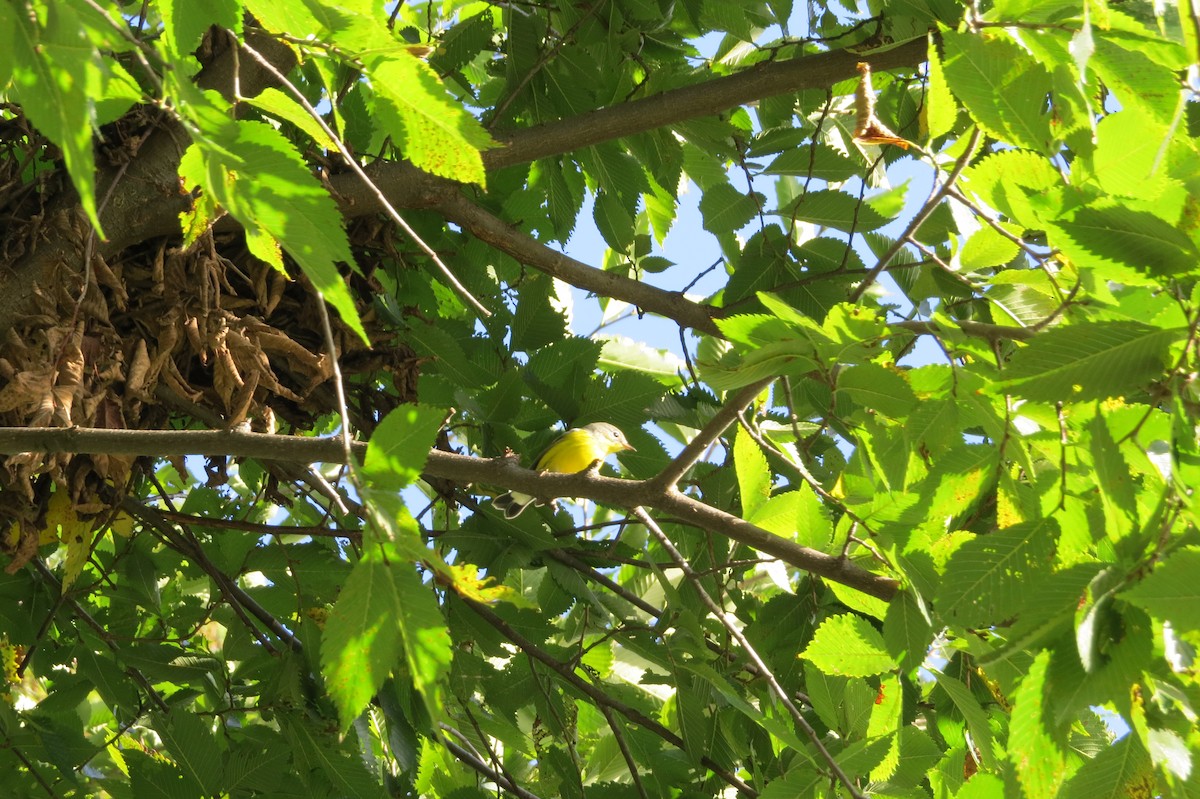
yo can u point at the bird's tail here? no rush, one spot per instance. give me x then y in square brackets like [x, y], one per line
[512, 503]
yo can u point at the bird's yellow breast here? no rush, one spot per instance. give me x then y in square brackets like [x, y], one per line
[574, 451]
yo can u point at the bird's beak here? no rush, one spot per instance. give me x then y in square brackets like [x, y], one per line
[629, 447]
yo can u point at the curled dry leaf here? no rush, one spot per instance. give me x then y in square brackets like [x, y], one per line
[867, 127]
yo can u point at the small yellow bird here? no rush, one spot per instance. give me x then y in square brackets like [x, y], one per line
[574, 451]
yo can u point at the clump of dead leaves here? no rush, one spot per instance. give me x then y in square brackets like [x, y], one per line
[156, 335]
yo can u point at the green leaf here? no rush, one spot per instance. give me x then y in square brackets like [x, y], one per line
[1120, 770]
[835, 209]
[877, 388]
[194, 749]
[986, 248]
[1008, 180]
[727, 210]
[153, 779]
[1138, 83]
[283, 106]
[1128, 153]
[621, 352]
[1172, 591]
[976, 717]
[434, 341]
[990, 573]
[1113, 480]
[613, 221]
[362, 642]
[185, 23]
[753, 473]
[435, 133]
[1033, 749]
[938, 112]
[907, 631]
[57, 78]
[1087, 361]
[400, 445]
[256, 175]
[1103, 235]
[816, 160]
[1002, 87]
[850, 646]
[346, 773]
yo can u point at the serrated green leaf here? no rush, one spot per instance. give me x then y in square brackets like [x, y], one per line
[620, 352]
[614, 222]
[1087, 361]
[1002, 87]
[1033, 749]
[835, 209]
[361, 643]
[753, 473]
[435, 133]
[907, 631]
[975, 716]
[1128, 151]
[726, 210]
[985, 248]
[1125, 237]
[1120, 770]
[938, 112]
[817, 160]
[464, 41]
[346, 773]
[1007, 180]
[877, 388]
[431, 340]
[154, 779]
[283, 106]
[1138, 83]
[990, 572]
[194, 749]
[56, 79]
[1172, 591]
[400, 445]
[848, 645]
[185, 23]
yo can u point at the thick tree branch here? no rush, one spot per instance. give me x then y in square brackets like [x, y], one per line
[507, 238]
[460, 468]
[813, 71]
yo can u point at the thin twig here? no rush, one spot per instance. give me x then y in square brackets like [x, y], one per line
[379, 196]
[763, 670]
[259, 528]
[567, 559]
[474, 761]
[240, 601]
[339, 391]
[926, 210]
[630, 763]
[598, 696]
[670, 476]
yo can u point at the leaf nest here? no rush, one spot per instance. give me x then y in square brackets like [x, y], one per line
[164, 337]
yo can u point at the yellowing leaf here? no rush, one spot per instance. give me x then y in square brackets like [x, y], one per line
[465, 581]
[79, 545]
